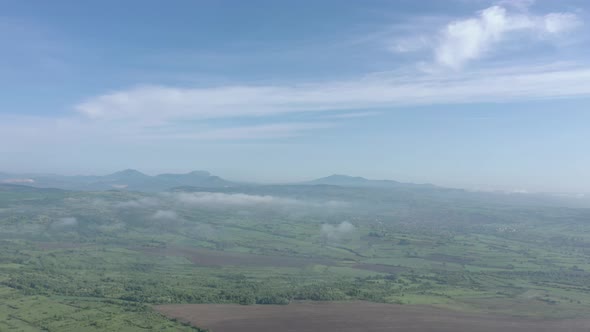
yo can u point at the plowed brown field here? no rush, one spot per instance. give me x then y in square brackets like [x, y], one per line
[355, 316]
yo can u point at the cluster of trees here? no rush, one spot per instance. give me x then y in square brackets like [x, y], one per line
[230, 290]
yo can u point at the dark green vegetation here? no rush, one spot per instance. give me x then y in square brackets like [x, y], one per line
[72, 261]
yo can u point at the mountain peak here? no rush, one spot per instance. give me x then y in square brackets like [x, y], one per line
[127, 173]
[199, 173]
[344, 177]
[356, 181]
[341, 180]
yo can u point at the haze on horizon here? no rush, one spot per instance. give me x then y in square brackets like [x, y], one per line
[471, 94]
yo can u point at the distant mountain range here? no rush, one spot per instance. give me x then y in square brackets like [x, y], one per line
[131, 179]
[128, 179]
[357, 181]
[335, 185]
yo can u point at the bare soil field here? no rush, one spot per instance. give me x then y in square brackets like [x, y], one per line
[382, 268]
[355, 316]
[215, 258]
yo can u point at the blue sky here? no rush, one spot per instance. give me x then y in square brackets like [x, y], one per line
[474, 94]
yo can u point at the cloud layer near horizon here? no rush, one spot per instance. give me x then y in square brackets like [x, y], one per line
[205, 199]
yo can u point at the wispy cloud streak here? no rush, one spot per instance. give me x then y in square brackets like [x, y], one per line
[383, 90]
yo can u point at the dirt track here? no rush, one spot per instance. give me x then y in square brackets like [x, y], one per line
[355, 316]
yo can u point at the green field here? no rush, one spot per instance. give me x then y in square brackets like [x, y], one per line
[72, 261]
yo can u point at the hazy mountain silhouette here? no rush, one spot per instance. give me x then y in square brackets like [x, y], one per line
[128, 179]
[357, 181]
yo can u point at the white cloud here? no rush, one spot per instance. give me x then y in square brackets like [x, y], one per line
[468, 39]
[143, 202]
[165, 215]
[65, 222]
[119, 124]
[209, 199]
[334, 232]
[222, 200]
[374, 91]
[17, 181]
[561, 22]
[264, 131]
